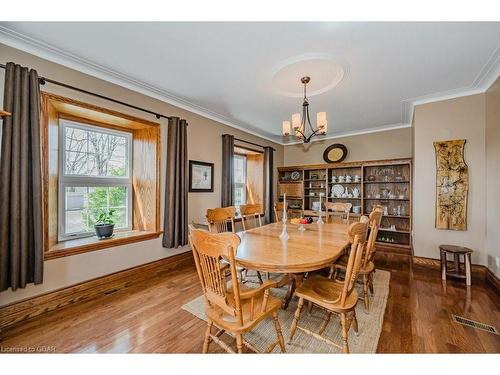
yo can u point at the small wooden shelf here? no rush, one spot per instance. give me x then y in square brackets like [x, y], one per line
[396, 216]
[291, 181]
[4, 113]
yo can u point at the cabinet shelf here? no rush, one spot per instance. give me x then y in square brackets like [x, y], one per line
[386, 199]
[344, 183]
[386, 182]
[393, 230]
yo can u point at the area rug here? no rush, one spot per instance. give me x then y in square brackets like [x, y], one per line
[370, 325]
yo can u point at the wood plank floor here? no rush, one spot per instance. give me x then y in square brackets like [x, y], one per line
[147, 318]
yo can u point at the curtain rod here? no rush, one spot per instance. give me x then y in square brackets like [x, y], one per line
[44, 80]
[251, 143]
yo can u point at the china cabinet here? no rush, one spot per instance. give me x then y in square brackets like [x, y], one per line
[364, 184]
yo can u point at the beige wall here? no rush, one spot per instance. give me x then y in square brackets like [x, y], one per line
[388, 144]
[461, 118]
[493, 177]
[204, 144]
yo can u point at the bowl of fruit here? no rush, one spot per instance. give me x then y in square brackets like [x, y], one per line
[301, 222]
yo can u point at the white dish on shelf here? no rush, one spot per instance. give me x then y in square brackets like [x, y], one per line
[337, 190]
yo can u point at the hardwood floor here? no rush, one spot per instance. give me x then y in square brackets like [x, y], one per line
[147, 318]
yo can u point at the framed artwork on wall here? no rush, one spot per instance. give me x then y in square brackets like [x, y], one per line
[201, 177]
[452, 185]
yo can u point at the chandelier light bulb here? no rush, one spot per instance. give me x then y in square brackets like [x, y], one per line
[296, 121]
[286, 128]
[321, 122]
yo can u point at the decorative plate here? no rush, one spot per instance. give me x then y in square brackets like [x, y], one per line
[295, 176]
[337, 190]
[335, 153]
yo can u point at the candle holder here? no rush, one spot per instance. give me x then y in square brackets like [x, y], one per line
[320, 219]
[284, 234]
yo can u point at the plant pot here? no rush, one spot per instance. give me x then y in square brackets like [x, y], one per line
[104, 230]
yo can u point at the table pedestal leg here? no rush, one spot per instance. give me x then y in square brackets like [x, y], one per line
[294, 281]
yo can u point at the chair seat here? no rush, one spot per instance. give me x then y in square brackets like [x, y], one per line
[342, 264]
[228, 322]
[326, 293]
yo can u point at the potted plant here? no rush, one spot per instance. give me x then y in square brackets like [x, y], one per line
[105, 224]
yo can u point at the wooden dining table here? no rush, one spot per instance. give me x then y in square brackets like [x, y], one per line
[315, 248]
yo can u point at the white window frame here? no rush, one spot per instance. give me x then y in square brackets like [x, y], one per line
[242, 184]
[67, 180]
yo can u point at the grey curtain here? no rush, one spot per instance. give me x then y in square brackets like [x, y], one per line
[21, 218]
[175, 227]
[227, 170]
[268, 184]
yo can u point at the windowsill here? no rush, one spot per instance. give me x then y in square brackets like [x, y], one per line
[87, 244]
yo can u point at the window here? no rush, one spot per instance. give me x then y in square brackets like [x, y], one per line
[240, 180]
[94, 176]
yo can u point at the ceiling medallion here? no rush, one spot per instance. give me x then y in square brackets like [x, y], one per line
[298, 124]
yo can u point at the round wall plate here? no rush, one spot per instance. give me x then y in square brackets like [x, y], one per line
[295, 175]
[335, 153]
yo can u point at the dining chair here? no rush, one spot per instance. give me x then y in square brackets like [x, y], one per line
[337, 209]
[278, 211]
[221, 219]
[334, 296]
[251, 218]
[251, 215]
[235, 309]
[367, 268]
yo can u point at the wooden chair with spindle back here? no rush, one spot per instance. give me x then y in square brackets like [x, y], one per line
[251, 215]
[221, 220]
[334, 296]
[251, 218]
[234, 309]
[337, 209]
[278, 211]
[367, 268]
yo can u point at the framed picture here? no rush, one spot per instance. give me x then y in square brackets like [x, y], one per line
[201, 177]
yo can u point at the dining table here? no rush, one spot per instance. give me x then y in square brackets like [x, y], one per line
[316, 247]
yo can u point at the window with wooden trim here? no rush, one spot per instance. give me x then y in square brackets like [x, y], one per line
[248, 176]
[97, 159]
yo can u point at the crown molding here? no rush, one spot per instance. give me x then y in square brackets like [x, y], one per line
[377, 129]
[485, 78]
[46, 51]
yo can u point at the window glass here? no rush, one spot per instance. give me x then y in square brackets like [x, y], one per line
[94, 178]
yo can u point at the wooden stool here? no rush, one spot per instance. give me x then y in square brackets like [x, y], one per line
[456, 251]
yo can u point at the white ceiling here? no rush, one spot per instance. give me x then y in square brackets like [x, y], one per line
[231, 71]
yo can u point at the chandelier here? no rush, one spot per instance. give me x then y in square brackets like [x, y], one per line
[298, 124]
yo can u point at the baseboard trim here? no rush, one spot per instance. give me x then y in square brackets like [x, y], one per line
[26, 309]
[493, 280]
[478, 271]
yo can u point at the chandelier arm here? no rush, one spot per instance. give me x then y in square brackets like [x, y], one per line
[302, 134]
[309, 120]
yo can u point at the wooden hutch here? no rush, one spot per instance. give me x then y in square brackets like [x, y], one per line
[364, 184]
